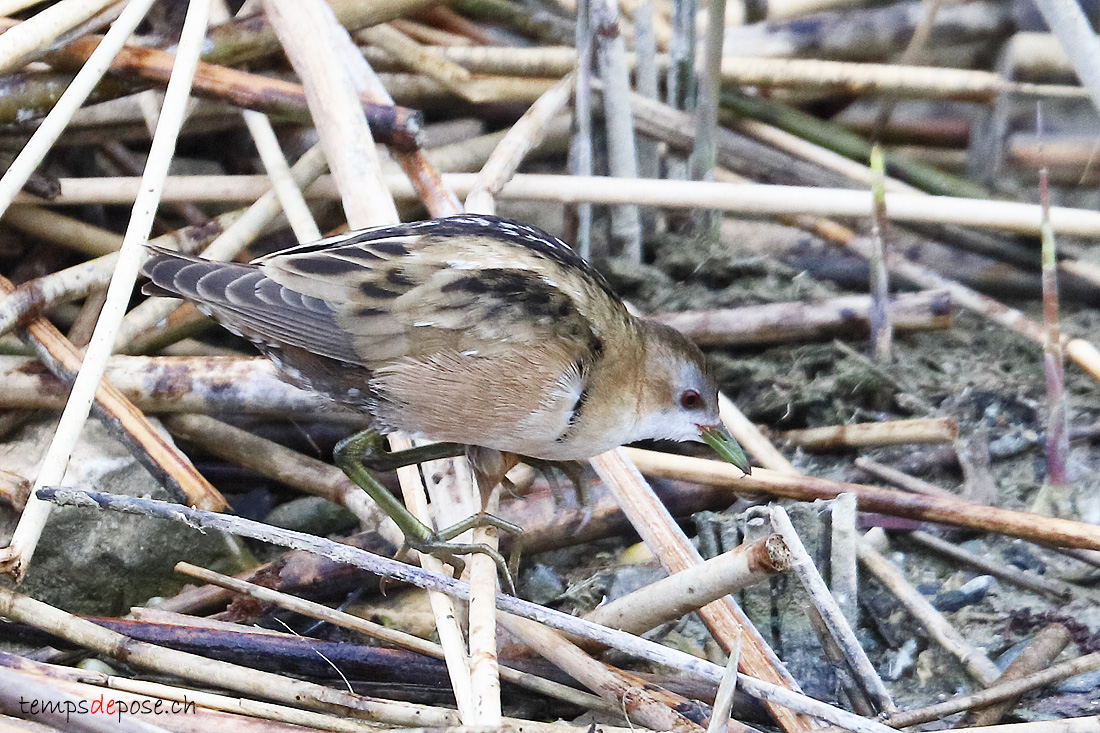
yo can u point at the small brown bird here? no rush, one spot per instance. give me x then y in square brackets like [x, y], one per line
[470, 329]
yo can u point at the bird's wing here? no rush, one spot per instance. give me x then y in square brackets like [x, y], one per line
[243, 299]
[471, 285]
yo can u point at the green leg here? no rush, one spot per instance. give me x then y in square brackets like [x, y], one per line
[366, 447]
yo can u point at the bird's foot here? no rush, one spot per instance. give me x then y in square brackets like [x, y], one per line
[352, 455]
[552, 471]
[439, 545]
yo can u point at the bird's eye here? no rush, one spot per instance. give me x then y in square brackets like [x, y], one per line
[691, 400]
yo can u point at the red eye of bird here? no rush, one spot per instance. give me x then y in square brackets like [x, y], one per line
[691, 400]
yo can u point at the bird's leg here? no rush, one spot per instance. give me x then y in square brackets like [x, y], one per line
[353, 454]
[572, 470]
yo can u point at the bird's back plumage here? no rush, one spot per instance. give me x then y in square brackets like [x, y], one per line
[471, 328]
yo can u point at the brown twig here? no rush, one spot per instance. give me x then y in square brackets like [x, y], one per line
[862, 435]
[954, 511]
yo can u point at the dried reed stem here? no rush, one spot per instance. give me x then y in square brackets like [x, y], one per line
[890, 432]
[282, 179]
[521, 138]
[1054, 590]
[973, 658]
[998, 692]
[833, 618]
[762, 199]
[723, 699]
[25, 538]
[953, 511]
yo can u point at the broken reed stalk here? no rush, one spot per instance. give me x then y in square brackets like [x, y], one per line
[973, 658]
[626, 221]
[683, 592]
[24, 609]
[16, 557]
[831, 615]
[882, 330]
[385, 634]
[724, 618]
[1038, 655]
[862, 435]
[1057, 438]
[953, 511]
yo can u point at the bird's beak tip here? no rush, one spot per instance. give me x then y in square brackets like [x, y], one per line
[725, 445]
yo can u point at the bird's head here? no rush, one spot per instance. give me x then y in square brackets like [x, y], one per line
[679, 395]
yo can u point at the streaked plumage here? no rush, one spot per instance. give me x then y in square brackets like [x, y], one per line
[470, 329]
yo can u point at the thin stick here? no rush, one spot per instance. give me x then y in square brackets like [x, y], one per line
[17, 556]
[890, 432]
[882, 330]
[762, 199]
[998, 692]
[614, 686]
[580, 146]
[626, 222]
[524, 135]
[1038, 655]
[953, 511]
[386, 567]
[723, 699]
[901, 479]
[1057, 438]
[387, 634]
[282, 180]
[843, 564]
[837, 625]
[1055, 590]
[973, 658]
[44, 28]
